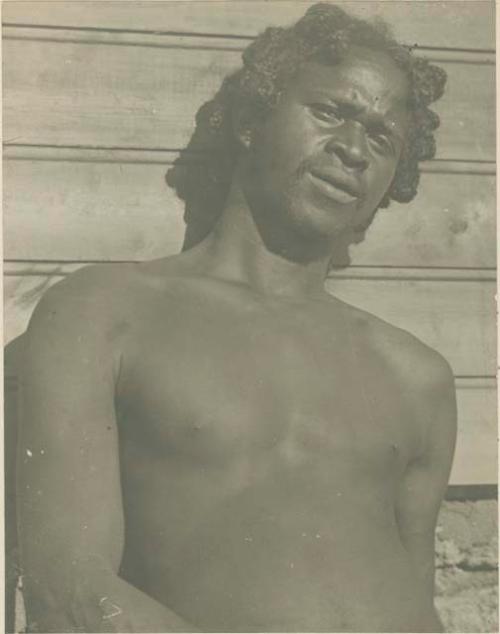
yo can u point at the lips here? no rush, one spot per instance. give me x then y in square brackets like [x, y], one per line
[337, 184]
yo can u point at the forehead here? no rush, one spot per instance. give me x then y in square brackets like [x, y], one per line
[365, 75]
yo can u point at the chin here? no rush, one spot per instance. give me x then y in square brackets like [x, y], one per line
[321, 224]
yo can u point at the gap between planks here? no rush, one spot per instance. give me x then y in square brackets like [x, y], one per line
[461, 382]
[383, 273]
[14, 151]
[198, 41]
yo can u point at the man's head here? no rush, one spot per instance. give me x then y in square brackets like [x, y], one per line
[360, 92]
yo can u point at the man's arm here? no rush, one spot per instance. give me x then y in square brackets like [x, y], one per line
[423, 487]
[70, 516]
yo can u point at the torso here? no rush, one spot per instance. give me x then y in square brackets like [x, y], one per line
[262, 443]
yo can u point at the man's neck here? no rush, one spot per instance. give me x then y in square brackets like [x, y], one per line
[237, 250]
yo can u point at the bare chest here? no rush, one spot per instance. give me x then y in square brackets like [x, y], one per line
[234, 391]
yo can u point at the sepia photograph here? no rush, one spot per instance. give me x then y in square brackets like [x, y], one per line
[249, 316]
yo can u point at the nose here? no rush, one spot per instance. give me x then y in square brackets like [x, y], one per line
[348, 142]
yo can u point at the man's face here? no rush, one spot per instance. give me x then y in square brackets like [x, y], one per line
[327, 154]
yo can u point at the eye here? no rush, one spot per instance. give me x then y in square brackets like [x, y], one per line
[326, 112]
[381, 141]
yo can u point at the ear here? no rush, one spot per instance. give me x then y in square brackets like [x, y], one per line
[244, 126]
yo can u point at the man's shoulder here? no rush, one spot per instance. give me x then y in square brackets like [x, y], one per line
[99, 297]
[105, 288]
[90, 300]
[93, 288]
[415, 363]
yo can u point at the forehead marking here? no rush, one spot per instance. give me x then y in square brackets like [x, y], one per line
[365, 77]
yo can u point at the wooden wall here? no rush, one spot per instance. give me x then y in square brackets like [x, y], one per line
[100, 96]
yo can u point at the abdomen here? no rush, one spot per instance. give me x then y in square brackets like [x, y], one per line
[286, 556]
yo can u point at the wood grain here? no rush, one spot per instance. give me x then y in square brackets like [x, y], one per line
[89, 211]
[86, 206]
[459, 24]
[455, 318]
[147, 96]
[476, 456]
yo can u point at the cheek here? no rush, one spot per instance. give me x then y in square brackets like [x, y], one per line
[288, 139]
[377, 184]
[380, 178]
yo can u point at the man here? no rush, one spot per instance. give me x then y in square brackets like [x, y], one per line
[210, 442]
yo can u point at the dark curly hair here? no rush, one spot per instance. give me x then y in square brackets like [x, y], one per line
[202, 174]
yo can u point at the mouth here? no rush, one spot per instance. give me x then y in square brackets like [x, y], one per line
[336, 187]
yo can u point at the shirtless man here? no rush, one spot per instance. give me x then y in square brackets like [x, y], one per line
[211, 442]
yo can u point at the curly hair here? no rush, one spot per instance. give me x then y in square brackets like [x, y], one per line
[202, 174]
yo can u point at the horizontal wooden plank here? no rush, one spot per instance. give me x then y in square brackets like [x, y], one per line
[89, 210]
[88, 207]
[460, 24]
[455, 318]
[147, 96]
[134, 96]
[451, 222]
[475, 460]
[476, 456]
[205, 41]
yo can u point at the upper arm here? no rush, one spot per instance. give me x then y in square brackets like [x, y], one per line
[424, 483]
[68, 466]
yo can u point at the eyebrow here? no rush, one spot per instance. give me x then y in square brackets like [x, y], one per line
[377, 121]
